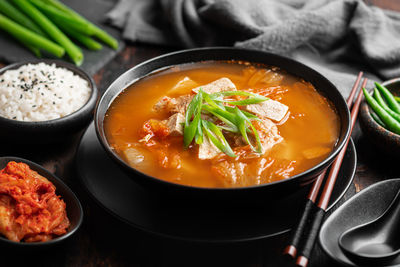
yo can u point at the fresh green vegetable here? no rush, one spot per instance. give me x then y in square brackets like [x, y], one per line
[13, 13]
[10, 11]
[217, 138]
[83, 39]
[67, 19]
[248, 114]
[397, 99]
[377, 119]
[99, 33]
[33, 49]
[234, 119]
[382, 103]
[29, 37]
[243, 122]
[391, 101]
[389, 121]
[252, 98]
[191, 127]
[72, 50]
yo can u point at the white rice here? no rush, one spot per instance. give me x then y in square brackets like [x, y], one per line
[40, 92]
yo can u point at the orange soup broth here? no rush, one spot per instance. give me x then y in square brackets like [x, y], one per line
[309, 132]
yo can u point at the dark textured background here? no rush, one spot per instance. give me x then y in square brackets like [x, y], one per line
[12, 51]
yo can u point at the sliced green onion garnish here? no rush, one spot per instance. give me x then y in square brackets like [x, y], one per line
[217, 138]
[234, 119]
[248, 114]
[242, 123]
[191, 128]
[252, 98]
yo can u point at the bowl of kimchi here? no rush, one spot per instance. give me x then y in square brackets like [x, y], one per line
[222, 122]
[37, 209]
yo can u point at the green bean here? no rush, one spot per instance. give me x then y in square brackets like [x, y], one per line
[72, 50]
[382, 103]
[33, 49]
[99, 33]
[10, 11]
[67, 19]
[13, 13]
[390, 122]
[397, 99]
[83, 39]
[29, 37]
[392, 103]
[377, 119]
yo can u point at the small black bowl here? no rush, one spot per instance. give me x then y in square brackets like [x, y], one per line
[276, 189]
[50, 131]
[382, 138]
[74, 207]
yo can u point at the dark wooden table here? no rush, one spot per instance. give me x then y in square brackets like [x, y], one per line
[104, 241]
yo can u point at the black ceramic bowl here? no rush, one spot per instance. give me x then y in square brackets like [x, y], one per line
[74, 208]
[385, 140]
[49, 131]
[284, 187]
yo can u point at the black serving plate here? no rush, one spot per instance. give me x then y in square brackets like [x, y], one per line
[74, 208]
[364, 207]
[191, 220]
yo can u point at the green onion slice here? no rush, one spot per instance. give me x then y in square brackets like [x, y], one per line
[242, 123]
[217, 138]
[191, 128]
[252, 98]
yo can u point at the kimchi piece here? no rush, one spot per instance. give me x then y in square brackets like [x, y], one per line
[30, 210]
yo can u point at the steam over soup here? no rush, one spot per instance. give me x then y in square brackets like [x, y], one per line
[221, 124]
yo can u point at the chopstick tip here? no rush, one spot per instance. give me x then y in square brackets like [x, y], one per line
[302, 261]
[290, 251]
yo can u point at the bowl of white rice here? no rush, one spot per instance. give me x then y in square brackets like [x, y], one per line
[44, 101]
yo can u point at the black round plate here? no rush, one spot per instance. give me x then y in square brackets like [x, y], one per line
[364, 207]
[119, 195]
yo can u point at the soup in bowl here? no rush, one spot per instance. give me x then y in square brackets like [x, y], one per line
[223, 123]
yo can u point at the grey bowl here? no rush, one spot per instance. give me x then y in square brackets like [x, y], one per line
[52, 130]
[382, 138]
[74, 207]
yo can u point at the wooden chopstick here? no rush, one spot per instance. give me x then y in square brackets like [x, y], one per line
[303, 259]
[291, 249]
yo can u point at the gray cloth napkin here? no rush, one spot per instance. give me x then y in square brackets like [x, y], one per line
[336, 37]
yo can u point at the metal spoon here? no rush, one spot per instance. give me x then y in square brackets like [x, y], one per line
[376, 241]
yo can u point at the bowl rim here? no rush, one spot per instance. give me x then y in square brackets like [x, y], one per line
[103, 140]
[59, 64]
[368, 114]
[67, 188]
